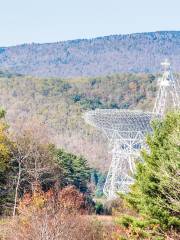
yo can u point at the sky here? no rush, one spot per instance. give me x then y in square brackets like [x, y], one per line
[40, 21]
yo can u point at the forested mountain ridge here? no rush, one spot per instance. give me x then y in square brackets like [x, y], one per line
[141, 52]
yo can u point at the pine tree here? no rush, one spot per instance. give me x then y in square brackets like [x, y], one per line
[75, 170]
[156, 191]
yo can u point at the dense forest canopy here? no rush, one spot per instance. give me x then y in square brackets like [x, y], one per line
[59, 103]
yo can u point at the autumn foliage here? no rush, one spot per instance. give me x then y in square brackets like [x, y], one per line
[46, 215]
[71, 199]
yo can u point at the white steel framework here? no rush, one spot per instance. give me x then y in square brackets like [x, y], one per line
[126, 132]
[168, 92]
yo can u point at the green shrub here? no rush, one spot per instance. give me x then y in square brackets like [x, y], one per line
[99, 209]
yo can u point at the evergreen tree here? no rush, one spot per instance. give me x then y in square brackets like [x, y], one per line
[2, 113]
[98, 180]
[5, 166]
[156, 191]
[75, 170]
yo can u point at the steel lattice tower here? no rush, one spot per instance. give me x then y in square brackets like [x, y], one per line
[168, 94]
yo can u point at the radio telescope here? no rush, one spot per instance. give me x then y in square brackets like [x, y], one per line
[126, 130]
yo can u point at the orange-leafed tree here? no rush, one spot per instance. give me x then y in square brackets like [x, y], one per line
[71, 199]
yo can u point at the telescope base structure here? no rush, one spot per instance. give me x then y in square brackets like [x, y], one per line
[118, 179]
[125, 151]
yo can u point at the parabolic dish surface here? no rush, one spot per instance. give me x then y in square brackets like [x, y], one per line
[120, 120]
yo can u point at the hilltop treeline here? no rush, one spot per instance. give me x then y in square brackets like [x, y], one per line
[140, 52]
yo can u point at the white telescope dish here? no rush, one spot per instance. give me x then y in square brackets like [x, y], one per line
[126, 131]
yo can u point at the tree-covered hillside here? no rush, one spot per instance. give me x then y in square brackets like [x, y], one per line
[60, 103]
[140, 52]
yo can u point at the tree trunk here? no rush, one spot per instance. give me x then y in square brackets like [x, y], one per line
[16, 192]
